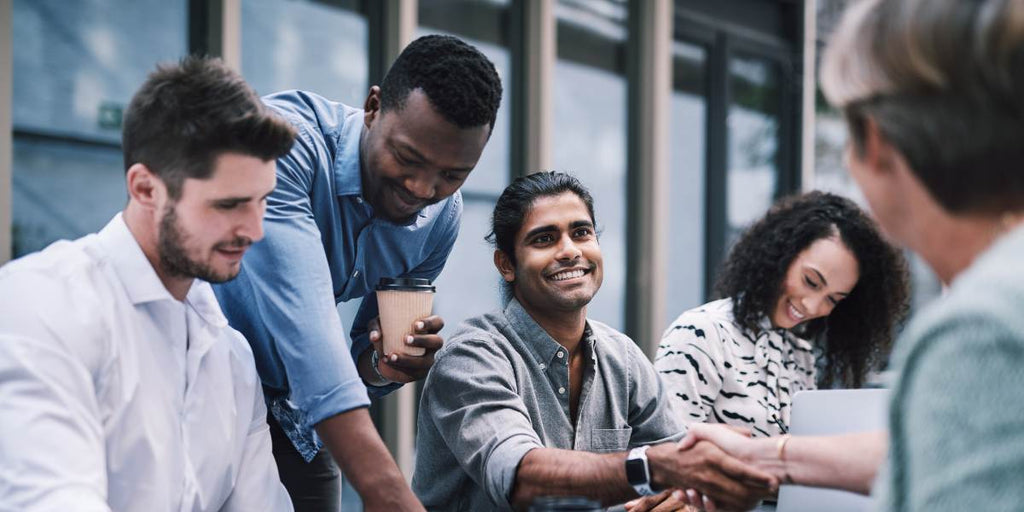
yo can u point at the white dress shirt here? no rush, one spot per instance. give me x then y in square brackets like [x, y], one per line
[116, 396]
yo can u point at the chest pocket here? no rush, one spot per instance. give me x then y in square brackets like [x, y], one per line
[610, 439]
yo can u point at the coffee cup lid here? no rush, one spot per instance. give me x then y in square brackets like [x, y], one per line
[411, 284]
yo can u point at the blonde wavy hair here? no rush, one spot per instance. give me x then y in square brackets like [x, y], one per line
[944, 82]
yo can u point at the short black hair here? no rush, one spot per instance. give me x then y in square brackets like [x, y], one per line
[857, 335]
[187, 114]
[460, 82]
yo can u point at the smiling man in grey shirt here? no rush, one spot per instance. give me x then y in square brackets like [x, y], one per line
[538, 400]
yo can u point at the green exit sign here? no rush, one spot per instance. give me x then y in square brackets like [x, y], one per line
[110, 115]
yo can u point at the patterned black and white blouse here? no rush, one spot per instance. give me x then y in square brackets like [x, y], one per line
[715, 373]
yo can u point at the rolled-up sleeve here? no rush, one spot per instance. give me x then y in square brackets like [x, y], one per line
[444, 236]
[287, 311]
[472, 399]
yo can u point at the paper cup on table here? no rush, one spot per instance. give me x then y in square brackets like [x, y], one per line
[401, 302]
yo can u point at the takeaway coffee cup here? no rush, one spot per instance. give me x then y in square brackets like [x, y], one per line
[401, 302]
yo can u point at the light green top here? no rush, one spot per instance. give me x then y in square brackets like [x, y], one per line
[957, 412]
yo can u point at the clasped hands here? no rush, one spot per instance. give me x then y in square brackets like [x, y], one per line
[717, 468]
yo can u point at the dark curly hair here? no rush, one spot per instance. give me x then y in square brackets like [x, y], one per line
[857, 335]
[460, 82]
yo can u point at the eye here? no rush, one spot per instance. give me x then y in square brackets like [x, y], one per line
[834, 301]
[812, 284]
[452, 177]
[582, 232]
[227, 205]
[543, 239]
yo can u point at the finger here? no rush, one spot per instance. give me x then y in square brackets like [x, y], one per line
[646, 503]
[373, 326]
[743, 431]
[430, 342]
[688, 441]
[409, 363]
[737, 470]
[709, 504]
[429, 325]
[693, 499]
[670, 504]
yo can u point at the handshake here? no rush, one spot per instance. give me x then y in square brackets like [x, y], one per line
[717, 468]
[714, 468]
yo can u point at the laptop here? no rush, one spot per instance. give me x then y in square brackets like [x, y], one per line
[825, 412]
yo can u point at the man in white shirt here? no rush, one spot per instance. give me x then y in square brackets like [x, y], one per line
[121, 385]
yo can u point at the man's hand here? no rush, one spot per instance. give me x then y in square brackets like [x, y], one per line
[405, 368]
[703, 466]
[666, 501]
[759, 452]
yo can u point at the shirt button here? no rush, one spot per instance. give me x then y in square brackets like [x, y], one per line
[355, 274]
[359, 200]
[543, 366]
[561, 391]
[559, 354]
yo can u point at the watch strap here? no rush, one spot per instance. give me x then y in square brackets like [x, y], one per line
[638, 471]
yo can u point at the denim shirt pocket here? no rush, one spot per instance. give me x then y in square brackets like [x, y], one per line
[610, 439]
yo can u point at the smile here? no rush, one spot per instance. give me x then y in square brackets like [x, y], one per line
[794, 313]
[568, 274]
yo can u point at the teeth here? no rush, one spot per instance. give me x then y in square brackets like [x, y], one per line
[568, 274]
[796, 314]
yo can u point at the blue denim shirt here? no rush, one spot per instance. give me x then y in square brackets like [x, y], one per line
[323, 245]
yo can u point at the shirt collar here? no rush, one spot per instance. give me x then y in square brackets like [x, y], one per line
[348, 180]
[140, 280]
[543, 347]
[131, 265]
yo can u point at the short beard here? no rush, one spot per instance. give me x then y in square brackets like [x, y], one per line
[174, 257]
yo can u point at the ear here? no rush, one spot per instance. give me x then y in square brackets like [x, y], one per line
[879, 154]
[371, 107]
[504, 265]
[145, 187]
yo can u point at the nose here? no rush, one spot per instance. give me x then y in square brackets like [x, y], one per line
[251, 226]
[816, 305]
[423, 186]
[567, 249]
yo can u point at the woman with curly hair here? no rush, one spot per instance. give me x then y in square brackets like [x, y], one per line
[812, 278]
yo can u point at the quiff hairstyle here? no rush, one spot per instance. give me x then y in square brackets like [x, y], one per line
[188, 113]
[944, 82]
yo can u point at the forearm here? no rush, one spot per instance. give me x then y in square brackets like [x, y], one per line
[555, 472]
[848, 461]
[365, 461]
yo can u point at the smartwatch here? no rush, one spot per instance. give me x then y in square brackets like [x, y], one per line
[638, 472]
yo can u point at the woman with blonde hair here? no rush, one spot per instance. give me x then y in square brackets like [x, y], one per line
[933, 94]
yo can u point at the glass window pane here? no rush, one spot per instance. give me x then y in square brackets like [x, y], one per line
[76, 66]
[590, 130]
[688, 150]
[306, 45]
[753, 123]
[469, 285]
[481, 23]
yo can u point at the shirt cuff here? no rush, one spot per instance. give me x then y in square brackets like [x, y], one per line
[349, 395]
[502, 466]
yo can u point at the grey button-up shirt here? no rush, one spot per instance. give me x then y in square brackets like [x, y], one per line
[500, 388]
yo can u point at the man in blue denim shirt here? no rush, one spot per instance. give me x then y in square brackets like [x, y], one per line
[364, 194]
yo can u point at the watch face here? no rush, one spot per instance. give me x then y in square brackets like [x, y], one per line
[636, 472]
